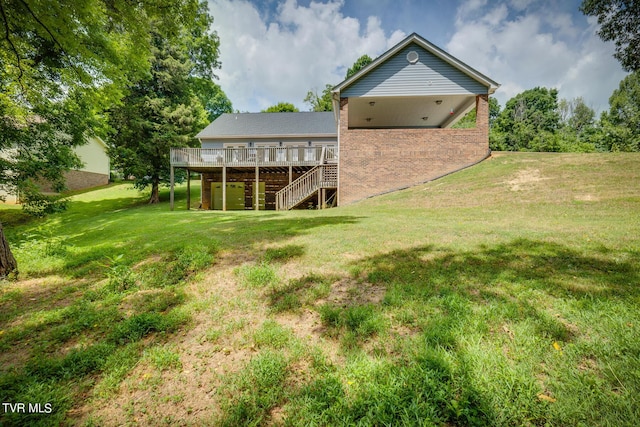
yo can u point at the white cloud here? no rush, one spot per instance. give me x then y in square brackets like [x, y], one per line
[541, 47]
[301, 48]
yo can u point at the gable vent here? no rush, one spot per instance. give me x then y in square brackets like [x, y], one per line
[413, 57]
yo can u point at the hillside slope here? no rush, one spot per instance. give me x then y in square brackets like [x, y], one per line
[505, 294]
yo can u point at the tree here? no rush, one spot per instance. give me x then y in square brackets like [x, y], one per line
[619, 22]
[320, 103]
[621, 124]
[494, 110]
[59, 61]
[281, 107]
[360, 63]
[528, 122]
[8, 263]
[325, 101]
[576, 115]
[211, 96]
[162, 110]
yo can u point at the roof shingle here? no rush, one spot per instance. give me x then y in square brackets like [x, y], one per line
[270, 125]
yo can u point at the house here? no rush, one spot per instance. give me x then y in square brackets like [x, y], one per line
[392, 127]
[95, 171]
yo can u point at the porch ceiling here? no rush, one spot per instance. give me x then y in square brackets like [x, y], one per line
[389, 112]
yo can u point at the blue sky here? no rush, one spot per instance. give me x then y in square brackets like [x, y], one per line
[277, 50]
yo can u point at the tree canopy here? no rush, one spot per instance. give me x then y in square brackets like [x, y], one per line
[163, 108]
[621, 124]
[66, 67]
[527, 120]
[281, 107]
[360, 63]
[619, 22]
[323, 102]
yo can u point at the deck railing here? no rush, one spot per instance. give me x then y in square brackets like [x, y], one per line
[258, 156]
[322, 176]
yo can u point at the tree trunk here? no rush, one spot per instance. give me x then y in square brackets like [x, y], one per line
[155, 194]
[8, 263]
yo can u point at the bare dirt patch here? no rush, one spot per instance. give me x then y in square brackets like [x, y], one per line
[214, 345]
[219, 343]
[351, 292]
[525, 179]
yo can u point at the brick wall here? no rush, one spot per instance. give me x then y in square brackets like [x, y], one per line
[78, 180]
[376, 161]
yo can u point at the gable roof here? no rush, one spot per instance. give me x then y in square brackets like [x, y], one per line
[271, 125]
[429, 47]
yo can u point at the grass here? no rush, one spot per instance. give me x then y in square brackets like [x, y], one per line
[505, 294]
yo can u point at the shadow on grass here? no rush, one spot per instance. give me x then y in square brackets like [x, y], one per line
[447, 297]
[550, 267]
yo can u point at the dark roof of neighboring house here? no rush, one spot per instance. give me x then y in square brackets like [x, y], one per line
[253, 125]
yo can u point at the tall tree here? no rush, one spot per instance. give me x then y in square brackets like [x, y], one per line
[58, 62]
[281, 107]
[162, 110]
[212, 97]
[527, 122]
[619, 22]
[576, 115]
[621, 124]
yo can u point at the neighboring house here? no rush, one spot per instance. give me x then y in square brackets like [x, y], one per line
[95, 172]
[391, 128]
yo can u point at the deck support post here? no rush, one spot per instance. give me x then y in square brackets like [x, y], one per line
[324, 198]
[257, 192]
[172, 180]
[224, 188]
[290, 174]
[188, 189]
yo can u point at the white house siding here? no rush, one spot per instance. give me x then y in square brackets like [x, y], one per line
[94, 156]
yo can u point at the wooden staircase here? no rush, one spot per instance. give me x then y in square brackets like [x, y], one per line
[320, 177]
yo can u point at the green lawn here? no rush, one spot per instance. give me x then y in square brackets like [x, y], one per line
[505, 294]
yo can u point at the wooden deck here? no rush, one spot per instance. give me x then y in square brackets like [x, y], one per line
[319, 163]
[198, 158]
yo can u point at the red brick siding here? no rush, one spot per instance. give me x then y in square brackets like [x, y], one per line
[376, 161]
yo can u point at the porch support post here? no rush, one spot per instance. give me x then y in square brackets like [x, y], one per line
[172, 179]
[188, 189]
[290, 174]
[257, 192]
[224, 188]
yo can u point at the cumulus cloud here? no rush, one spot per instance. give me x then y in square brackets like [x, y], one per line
[523, 44]
[279, 56]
